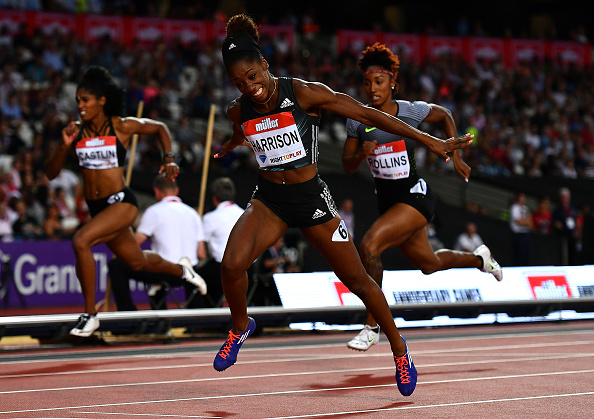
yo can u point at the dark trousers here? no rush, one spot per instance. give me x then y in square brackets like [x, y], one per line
[211, 273]
[120, 274]
[521, 249]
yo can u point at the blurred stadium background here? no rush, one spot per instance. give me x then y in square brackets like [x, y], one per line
[519, 74]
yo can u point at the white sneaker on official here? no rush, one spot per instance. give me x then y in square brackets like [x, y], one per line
[365, 339]
[86, 325]
[490, 265]
[191, 276]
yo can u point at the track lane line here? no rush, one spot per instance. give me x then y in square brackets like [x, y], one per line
[417, 354]
[294, 392]
[388, 409]
[209, 351]
[295, 374]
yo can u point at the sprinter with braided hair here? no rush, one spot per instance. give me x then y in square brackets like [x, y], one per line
[279, 118]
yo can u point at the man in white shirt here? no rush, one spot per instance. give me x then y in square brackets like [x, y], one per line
[469, 240]
[175, 231]
[218, 224]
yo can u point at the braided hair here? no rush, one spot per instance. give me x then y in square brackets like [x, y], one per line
[99, 82]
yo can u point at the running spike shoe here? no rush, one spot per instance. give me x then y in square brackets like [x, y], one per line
[227, 355]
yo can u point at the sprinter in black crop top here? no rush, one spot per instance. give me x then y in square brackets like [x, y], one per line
[99, 150]
[275, 117]
[100, 143]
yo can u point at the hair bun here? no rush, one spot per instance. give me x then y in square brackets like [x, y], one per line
[242, 23]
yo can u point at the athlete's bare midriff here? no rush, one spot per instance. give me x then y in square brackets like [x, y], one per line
[102, 183]
[292, 176]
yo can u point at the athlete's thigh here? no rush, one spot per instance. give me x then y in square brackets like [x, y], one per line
[256, 230]
[108, 224]
[334, 243]
[124, 246]
[394, 227]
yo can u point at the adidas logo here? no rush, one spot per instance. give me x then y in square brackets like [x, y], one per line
[244, 337]
[319, 213]
[232, 46]
[286, 103]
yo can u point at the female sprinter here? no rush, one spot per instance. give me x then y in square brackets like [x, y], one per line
[279, 118]
[405, 201]
[101, 142]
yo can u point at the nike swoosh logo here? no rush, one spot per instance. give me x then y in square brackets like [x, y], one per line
[370, 129]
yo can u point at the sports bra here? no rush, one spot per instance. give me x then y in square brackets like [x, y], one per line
[285, 138]
[100, 150]
[394, 155]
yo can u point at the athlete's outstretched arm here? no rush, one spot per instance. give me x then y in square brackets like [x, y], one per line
[237, 139]
[443, 116]
[313, 96]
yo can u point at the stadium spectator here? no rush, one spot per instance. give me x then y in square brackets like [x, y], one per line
[520, 223]
[218, 224]
[564, 224]
[175, 231]
[469, 240]
[25, 227]
[542, 217]
[5, 223]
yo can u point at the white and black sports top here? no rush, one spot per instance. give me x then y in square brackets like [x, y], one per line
[285, 138]
[394, 155]
[99, 150]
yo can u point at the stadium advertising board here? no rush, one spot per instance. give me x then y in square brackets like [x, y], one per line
[323, 289]
[43, 274]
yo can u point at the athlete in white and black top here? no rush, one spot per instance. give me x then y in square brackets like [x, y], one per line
[405, 202]
[101, 142]
[279, 119]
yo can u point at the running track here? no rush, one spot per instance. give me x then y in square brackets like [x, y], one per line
[537, 370]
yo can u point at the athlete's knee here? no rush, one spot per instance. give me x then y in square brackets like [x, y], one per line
[232, 268]
[428, 269]
[137, 264]
[80, 242]
[369, 250]
[430, 266]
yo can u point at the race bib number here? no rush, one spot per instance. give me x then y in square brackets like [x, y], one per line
[275, 139]
[341, 234]
[389, 161]
[97, 153]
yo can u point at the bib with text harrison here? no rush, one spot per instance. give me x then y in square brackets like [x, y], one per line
[275, 139]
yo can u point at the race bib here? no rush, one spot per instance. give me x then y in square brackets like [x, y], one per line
[275, 139]
[389, 161]
[97, 152]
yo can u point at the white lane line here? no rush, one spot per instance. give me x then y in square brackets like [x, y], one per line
[161, 415]
[291, 374]
[294, 392]
[475, 351]
[388, 409]
[209, 352]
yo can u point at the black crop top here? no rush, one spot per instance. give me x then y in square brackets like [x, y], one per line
[99, 151]
[285, 138]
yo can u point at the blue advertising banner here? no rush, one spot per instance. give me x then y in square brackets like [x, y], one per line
[43, 274]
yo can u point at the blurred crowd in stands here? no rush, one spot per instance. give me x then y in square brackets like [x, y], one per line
[532, 120]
